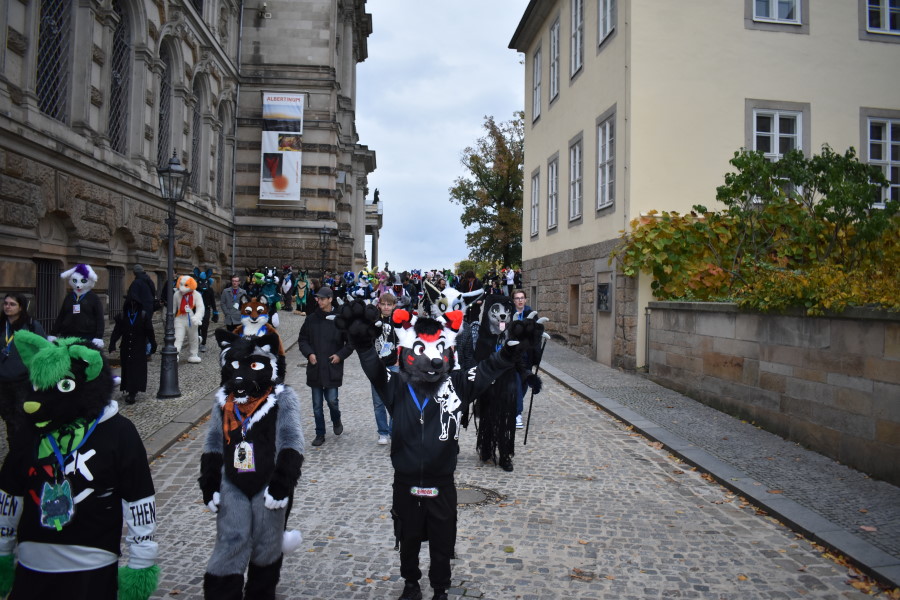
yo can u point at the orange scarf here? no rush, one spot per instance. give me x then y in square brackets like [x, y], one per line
[230, 421]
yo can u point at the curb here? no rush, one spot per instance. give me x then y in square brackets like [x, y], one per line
[870, 559]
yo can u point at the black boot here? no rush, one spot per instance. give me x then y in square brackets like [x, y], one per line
[411, 591]
[223, 587]
[440, 594]
[506, 463]
[261, 581]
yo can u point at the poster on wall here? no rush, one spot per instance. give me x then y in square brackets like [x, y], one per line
[281, 146]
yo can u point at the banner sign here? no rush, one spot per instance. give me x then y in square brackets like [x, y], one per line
[281, 146]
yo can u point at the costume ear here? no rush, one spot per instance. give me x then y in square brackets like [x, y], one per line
[225, 338]
[454, 319]
[196, 272]
[244, 299]
[92, 357]
[29, 344]
[267, 343]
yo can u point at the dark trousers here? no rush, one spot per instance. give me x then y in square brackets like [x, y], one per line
[12, 396]
[426, 519]
[203, 330]
[96, 584]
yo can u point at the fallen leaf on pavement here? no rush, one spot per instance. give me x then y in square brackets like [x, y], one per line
[742, 578]
[775, 491]
[868, 528]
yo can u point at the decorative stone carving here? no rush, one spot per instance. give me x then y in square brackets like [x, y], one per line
[96, 97]
[98, 55]
[16, 42]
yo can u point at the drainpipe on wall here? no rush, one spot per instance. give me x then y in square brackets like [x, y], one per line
[647, 337]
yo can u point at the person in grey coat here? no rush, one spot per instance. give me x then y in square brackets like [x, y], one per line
[325, 349]
[230, 301]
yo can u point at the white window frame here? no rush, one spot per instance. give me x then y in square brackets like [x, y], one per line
[606, 163]
[776, 135]
[886, 163]
[884, 11]
[535, 202]
[773, 10]
[554, 60]
[606, 19]
[576, 179]
[536, 85]
[552, 193]
[576, 46]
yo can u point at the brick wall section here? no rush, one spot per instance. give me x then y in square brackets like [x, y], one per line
[829, 383]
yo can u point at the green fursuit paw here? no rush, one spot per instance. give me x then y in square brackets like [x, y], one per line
[7, 573]
[138, 584]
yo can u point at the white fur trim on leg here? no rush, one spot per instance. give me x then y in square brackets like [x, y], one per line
[291, 540]
[213, 505]
[272, 503]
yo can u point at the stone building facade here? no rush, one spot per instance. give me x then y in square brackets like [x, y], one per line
[94, 95]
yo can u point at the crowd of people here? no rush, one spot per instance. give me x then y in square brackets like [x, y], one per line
[414, 328]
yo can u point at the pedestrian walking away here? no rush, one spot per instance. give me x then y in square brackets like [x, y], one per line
[325, 349]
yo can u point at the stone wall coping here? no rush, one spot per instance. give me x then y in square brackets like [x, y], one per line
[853, 312]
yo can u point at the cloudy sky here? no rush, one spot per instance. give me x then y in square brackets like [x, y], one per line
[434, 70]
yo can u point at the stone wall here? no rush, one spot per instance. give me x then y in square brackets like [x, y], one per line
[831, 384]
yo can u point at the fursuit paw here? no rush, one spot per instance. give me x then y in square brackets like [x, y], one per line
[7, 573]
[361, 322]
[274, 503]
[97, 342]
[291, 540]
[213, 505]
[137, 584]
[526, 334]
[534, 382]
[275, 321]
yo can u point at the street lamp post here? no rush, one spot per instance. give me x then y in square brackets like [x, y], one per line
[324, 234]
[173, 180]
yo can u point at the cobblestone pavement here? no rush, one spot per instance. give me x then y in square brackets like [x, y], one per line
[592, 511]
[847, 499]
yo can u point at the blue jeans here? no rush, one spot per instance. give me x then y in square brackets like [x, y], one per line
[330, 395]
[383, 421]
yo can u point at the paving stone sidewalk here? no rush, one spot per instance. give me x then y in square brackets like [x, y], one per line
[827, 501]
[592, 511]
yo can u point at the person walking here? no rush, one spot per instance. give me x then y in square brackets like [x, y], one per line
[386, 345]
[522, 312]
[325, 349]
[14, 383]
[142, 289]
[134, 327]
[510, 281]
[230, 301]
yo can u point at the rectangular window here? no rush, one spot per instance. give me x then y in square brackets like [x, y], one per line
[552, 194]
[775, 132]
[536, 85]
[883, 16]
[577, 42]
[777, 11]
[575, 180]
[606, 19]
[535, 202]
[554, 60]
[884, 152]
[606, 163]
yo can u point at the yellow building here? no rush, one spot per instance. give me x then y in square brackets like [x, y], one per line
[635, 105]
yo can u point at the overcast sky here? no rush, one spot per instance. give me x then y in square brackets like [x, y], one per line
[434, 70]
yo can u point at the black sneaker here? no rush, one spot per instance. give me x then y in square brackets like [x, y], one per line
[411, 591]
[338, 428]
[319, 440]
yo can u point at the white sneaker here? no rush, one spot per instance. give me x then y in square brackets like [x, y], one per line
[519, 424]
[383, 440]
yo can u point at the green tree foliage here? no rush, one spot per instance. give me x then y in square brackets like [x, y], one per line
[799, 232]
[491, 192]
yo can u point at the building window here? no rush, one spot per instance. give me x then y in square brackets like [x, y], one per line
[606, 21]
[536, 85]
[554, 60]
[606, 163]
[116, 291]
[884, 152]
[552, 193]
[220, 159]
[577, 42]
[53, 60]
[883, 16]
[196, 136]
[120, 82]
[163, 131]
[776, 132]
[575, 180]
[777, 11]
[535, 202]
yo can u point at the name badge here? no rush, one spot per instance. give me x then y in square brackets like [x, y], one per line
[243, 458]
[423, 492]
[76, 309]
[236, 306]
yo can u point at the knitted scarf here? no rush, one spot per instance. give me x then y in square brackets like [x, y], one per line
[230, 420]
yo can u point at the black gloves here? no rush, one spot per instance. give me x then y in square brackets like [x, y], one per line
[361, 323]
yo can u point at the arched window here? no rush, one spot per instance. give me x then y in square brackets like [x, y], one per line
[220, 157]
[164, 132]
[120, 81]
[196, 135]
[53, 60]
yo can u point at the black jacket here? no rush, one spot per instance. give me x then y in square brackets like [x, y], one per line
[423, 444]
[143, 290]
[88, 323]
[321, 337]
